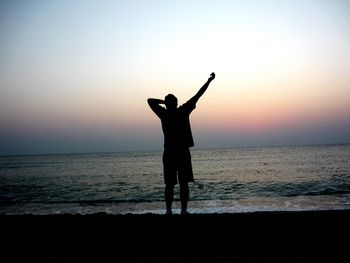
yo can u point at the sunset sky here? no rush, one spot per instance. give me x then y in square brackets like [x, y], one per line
[75, 75]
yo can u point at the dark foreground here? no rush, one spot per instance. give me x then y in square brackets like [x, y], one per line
[251, 237]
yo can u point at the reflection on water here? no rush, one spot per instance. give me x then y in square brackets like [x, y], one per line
[231, 179]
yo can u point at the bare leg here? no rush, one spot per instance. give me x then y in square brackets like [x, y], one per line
[184, 196]
[169, 197]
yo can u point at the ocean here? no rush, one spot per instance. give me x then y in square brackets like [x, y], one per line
[226, 181]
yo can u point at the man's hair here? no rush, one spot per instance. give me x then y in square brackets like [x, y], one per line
[170, 101]
[170, 98]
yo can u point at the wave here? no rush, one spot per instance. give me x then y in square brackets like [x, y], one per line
[81, 202]
[305, 203]
[237, 190]
[92, 202]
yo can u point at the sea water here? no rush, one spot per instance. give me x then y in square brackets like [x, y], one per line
[226, 180]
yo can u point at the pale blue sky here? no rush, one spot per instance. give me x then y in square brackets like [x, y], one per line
[75, 75]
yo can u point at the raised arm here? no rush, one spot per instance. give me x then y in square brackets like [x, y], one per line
[155, 106]
[154, 102]
[201, 91]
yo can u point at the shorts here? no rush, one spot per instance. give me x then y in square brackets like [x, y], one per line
[177, 166]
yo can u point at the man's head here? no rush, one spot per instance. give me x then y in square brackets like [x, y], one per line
[170, 101]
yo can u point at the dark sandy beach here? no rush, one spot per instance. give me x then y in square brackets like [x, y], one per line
[248, 237]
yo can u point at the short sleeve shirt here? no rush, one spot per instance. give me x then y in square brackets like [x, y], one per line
[176, 125]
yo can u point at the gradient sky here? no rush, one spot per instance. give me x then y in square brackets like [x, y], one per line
[75, 75]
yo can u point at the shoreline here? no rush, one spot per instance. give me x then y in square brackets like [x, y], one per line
[246, 205]
[277, 236]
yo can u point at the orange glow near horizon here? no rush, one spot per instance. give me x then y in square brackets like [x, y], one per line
[281, 65]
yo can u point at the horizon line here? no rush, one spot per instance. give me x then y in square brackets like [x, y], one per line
[192, 149]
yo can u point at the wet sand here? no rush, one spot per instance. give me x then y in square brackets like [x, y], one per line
[247, 237]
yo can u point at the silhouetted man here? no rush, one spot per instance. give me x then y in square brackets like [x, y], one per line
[177, 141]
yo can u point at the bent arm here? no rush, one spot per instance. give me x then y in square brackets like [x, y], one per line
[154, 102]
[155, 106]
[201, 91]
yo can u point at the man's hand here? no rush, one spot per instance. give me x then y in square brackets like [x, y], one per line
[212, 76]
[201, 91]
